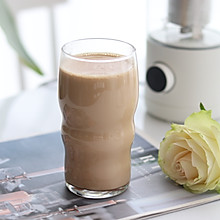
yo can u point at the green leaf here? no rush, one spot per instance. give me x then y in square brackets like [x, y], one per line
[202, 107]
[7, 23]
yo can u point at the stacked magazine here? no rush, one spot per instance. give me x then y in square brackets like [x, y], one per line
[32, 185]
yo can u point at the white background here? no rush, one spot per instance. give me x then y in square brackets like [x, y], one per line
[120, 19]
[128, 20]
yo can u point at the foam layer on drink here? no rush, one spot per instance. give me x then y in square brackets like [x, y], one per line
[98, 101]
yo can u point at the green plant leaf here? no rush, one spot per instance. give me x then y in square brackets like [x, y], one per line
[8, 25]
[202, 106]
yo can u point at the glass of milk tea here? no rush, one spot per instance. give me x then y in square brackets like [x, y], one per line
[98, 94]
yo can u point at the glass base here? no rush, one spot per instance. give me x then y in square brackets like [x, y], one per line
[92, 194]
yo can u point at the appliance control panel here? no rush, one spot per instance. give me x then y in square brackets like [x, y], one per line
[160, 78]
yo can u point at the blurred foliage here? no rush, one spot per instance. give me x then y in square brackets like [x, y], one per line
[8, 25]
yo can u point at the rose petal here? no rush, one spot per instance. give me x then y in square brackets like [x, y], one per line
[197, 149]
[203, 145]
[214, 176]
[178, 171]
[202, 122]
[198, 159]
[214, 148]
[216, 133]
[202, 168]
[186, 163]
[198, 138]
[166, 158]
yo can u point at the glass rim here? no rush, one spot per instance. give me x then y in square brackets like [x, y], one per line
[115, 59]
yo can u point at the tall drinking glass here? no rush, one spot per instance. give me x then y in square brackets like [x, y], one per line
[98, 93]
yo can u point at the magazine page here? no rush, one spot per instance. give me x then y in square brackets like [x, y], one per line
[32, 185]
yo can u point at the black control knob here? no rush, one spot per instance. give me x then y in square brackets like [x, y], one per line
[160, 78]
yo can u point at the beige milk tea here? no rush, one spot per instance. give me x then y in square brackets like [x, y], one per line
[98, 102]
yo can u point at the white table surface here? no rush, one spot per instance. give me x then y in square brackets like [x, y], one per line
[37, 112]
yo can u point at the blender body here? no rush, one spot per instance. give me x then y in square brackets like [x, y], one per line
[183, 61]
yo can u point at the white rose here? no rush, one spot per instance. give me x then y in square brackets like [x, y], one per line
[190, 153]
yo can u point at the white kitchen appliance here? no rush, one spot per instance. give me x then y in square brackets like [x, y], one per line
[183, 62]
